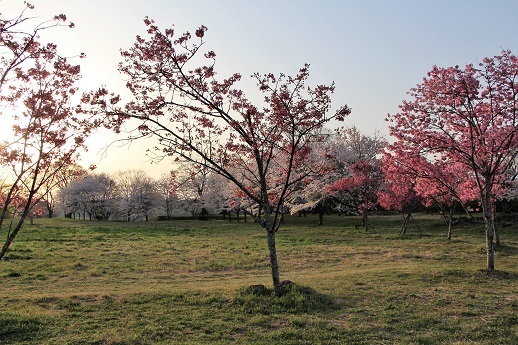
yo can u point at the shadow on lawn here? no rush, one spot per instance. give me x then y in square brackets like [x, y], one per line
[296, 299]
[16, 328]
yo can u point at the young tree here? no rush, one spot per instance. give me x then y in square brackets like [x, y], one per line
[51, 188]
[47, 133]
[358, 193]
[93, 195]
[398, 190]
[211, 123]
[465, 116]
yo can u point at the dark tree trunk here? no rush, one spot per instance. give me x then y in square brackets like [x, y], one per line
[490, 232]
[406, 219]
[450, 227]
[321, 212]
[12, 235]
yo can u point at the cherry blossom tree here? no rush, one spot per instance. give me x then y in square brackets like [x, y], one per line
[310, 194]
[51, 188]
[465, 116]
[48, 137]
[196, 117]
[47, 133]
[358, 192]
[94, 195]
[398, 190]
[446, 187]
[192, 187]
[138, 195]
[167, 188]
[334, 157]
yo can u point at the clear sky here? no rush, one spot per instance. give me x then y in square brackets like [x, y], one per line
[374, 50]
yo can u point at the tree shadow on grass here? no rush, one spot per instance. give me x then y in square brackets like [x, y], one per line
[296, 299]
[16, 328]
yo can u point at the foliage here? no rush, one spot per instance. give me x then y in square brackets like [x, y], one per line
[47, 133]
[177, 99]
[463, 119]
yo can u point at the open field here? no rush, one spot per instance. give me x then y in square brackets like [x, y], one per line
[184, 282]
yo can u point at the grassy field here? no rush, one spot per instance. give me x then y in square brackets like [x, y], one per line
[185, 282]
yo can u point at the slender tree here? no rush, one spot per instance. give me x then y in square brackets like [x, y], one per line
[197, 118]
[48, 135]
[358, 193]
[398, 190]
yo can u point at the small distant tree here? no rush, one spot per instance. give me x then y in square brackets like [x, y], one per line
[359, 192]
[167, 190]
[93, 195]
[192, 186]
[60, 181]
[398, 190]
[195, 117]
[138, 195]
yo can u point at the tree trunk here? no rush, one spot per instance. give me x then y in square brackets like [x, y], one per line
[495, 226]
[490, 245]
[450, 227]
[488, 221]
[274, 265]
[364, 220]
[405, 224]
[12, 235]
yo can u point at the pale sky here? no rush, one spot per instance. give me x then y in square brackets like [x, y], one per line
[374, 50]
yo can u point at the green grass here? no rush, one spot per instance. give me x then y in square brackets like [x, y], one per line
[185, 282]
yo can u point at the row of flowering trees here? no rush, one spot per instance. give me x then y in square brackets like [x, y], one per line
[455, 140]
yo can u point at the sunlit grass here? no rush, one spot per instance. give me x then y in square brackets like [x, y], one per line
[183, 281]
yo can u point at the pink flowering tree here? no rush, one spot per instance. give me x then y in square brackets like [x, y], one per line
[358, 193]
[398, 190]
[446, 186]
[194, 116]
[335, 158]
[47, 134]
[465, 116]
